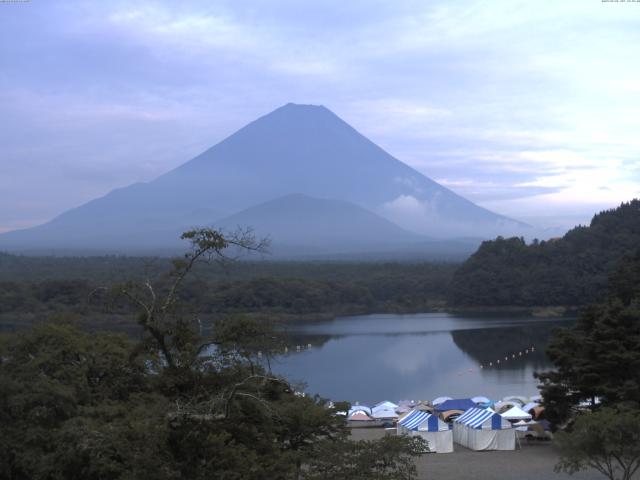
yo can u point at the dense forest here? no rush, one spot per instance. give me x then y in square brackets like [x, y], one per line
[35, 287]
[598, 356]
[103, 406]
[568, 271]
[571, 270]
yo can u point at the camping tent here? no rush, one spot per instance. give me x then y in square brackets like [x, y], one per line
[516, 413]
[480, 399]
[429, 427]
[538, 413]
[359, 416]
[516, 398]
[457, 404]
[439, 400]
[425, 407]
[483, 429]
[360, 408]
[449, 415]
[503, 406]
[384, 410]
[405, 406]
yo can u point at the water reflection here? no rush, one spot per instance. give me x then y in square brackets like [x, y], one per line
[376, 357]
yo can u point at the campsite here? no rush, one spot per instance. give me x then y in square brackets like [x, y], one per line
[475, 423]
[477, 443]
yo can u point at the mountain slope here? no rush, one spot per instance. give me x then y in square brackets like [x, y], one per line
[572, 270]
[298, 224]
[296, 148]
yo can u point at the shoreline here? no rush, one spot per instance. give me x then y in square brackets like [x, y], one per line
[11, 321]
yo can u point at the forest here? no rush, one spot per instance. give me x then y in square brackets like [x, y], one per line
[571, 271]
[78, 405]
[568, 271]
[31, 287]
[109, 405]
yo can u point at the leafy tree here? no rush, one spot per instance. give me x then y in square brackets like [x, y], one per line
[172, 335]
[607, 441]
[390, 458]
[33, 287]
[57, 384]
[176, 404]
[599, 356]
[571, 271]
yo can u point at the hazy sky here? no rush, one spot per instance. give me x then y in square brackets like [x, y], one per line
[530, 108]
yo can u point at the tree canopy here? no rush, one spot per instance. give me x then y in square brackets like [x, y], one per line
[174, 404]
[572, 270]
[594, 390]
[607, 441]
[599, 356]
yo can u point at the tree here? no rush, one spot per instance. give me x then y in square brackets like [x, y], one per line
[607, 441]
[598, 361]
[176, 404]
[599, 357]
[569, 271]
[167, 333]
[66, 398]
[389, 458]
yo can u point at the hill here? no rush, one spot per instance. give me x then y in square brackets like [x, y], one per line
[296, 148]
[298, 224]
[572, 270]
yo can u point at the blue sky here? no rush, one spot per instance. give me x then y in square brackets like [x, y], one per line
[529, 108]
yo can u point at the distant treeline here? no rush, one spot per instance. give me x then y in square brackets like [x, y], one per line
[41, 285]
[571, 270]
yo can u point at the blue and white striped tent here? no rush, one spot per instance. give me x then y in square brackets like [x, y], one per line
[484, 429]
[483, 418]
[420, 420]
[430, 427]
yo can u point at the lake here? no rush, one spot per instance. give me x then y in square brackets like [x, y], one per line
[371, 358]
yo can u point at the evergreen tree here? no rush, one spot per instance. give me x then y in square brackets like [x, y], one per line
[599, 357]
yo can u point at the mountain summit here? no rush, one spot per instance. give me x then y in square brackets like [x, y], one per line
[302, 149]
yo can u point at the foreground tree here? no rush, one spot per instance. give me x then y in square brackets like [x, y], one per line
[598, 358]
[174, 405]
[74, 405]
[594, 392]
[390, 458]
[607, 441]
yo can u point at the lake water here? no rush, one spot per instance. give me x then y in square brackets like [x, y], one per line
[372, 358]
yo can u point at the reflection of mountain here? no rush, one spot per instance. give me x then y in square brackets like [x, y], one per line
[490, 344]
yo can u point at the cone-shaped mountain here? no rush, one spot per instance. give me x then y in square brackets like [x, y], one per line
[296, 148]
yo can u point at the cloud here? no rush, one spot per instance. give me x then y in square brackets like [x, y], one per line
[409, 212]
[190, 31]
[505, 100]
[405, 205]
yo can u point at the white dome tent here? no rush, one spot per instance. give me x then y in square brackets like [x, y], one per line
[516, 413]
[384, 411]
[439, 400]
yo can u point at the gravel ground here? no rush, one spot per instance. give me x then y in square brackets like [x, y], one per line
[534, 461]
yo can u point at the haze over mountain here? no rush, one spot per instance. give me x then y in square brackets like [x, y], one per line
[295, 149]
[302, 224]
